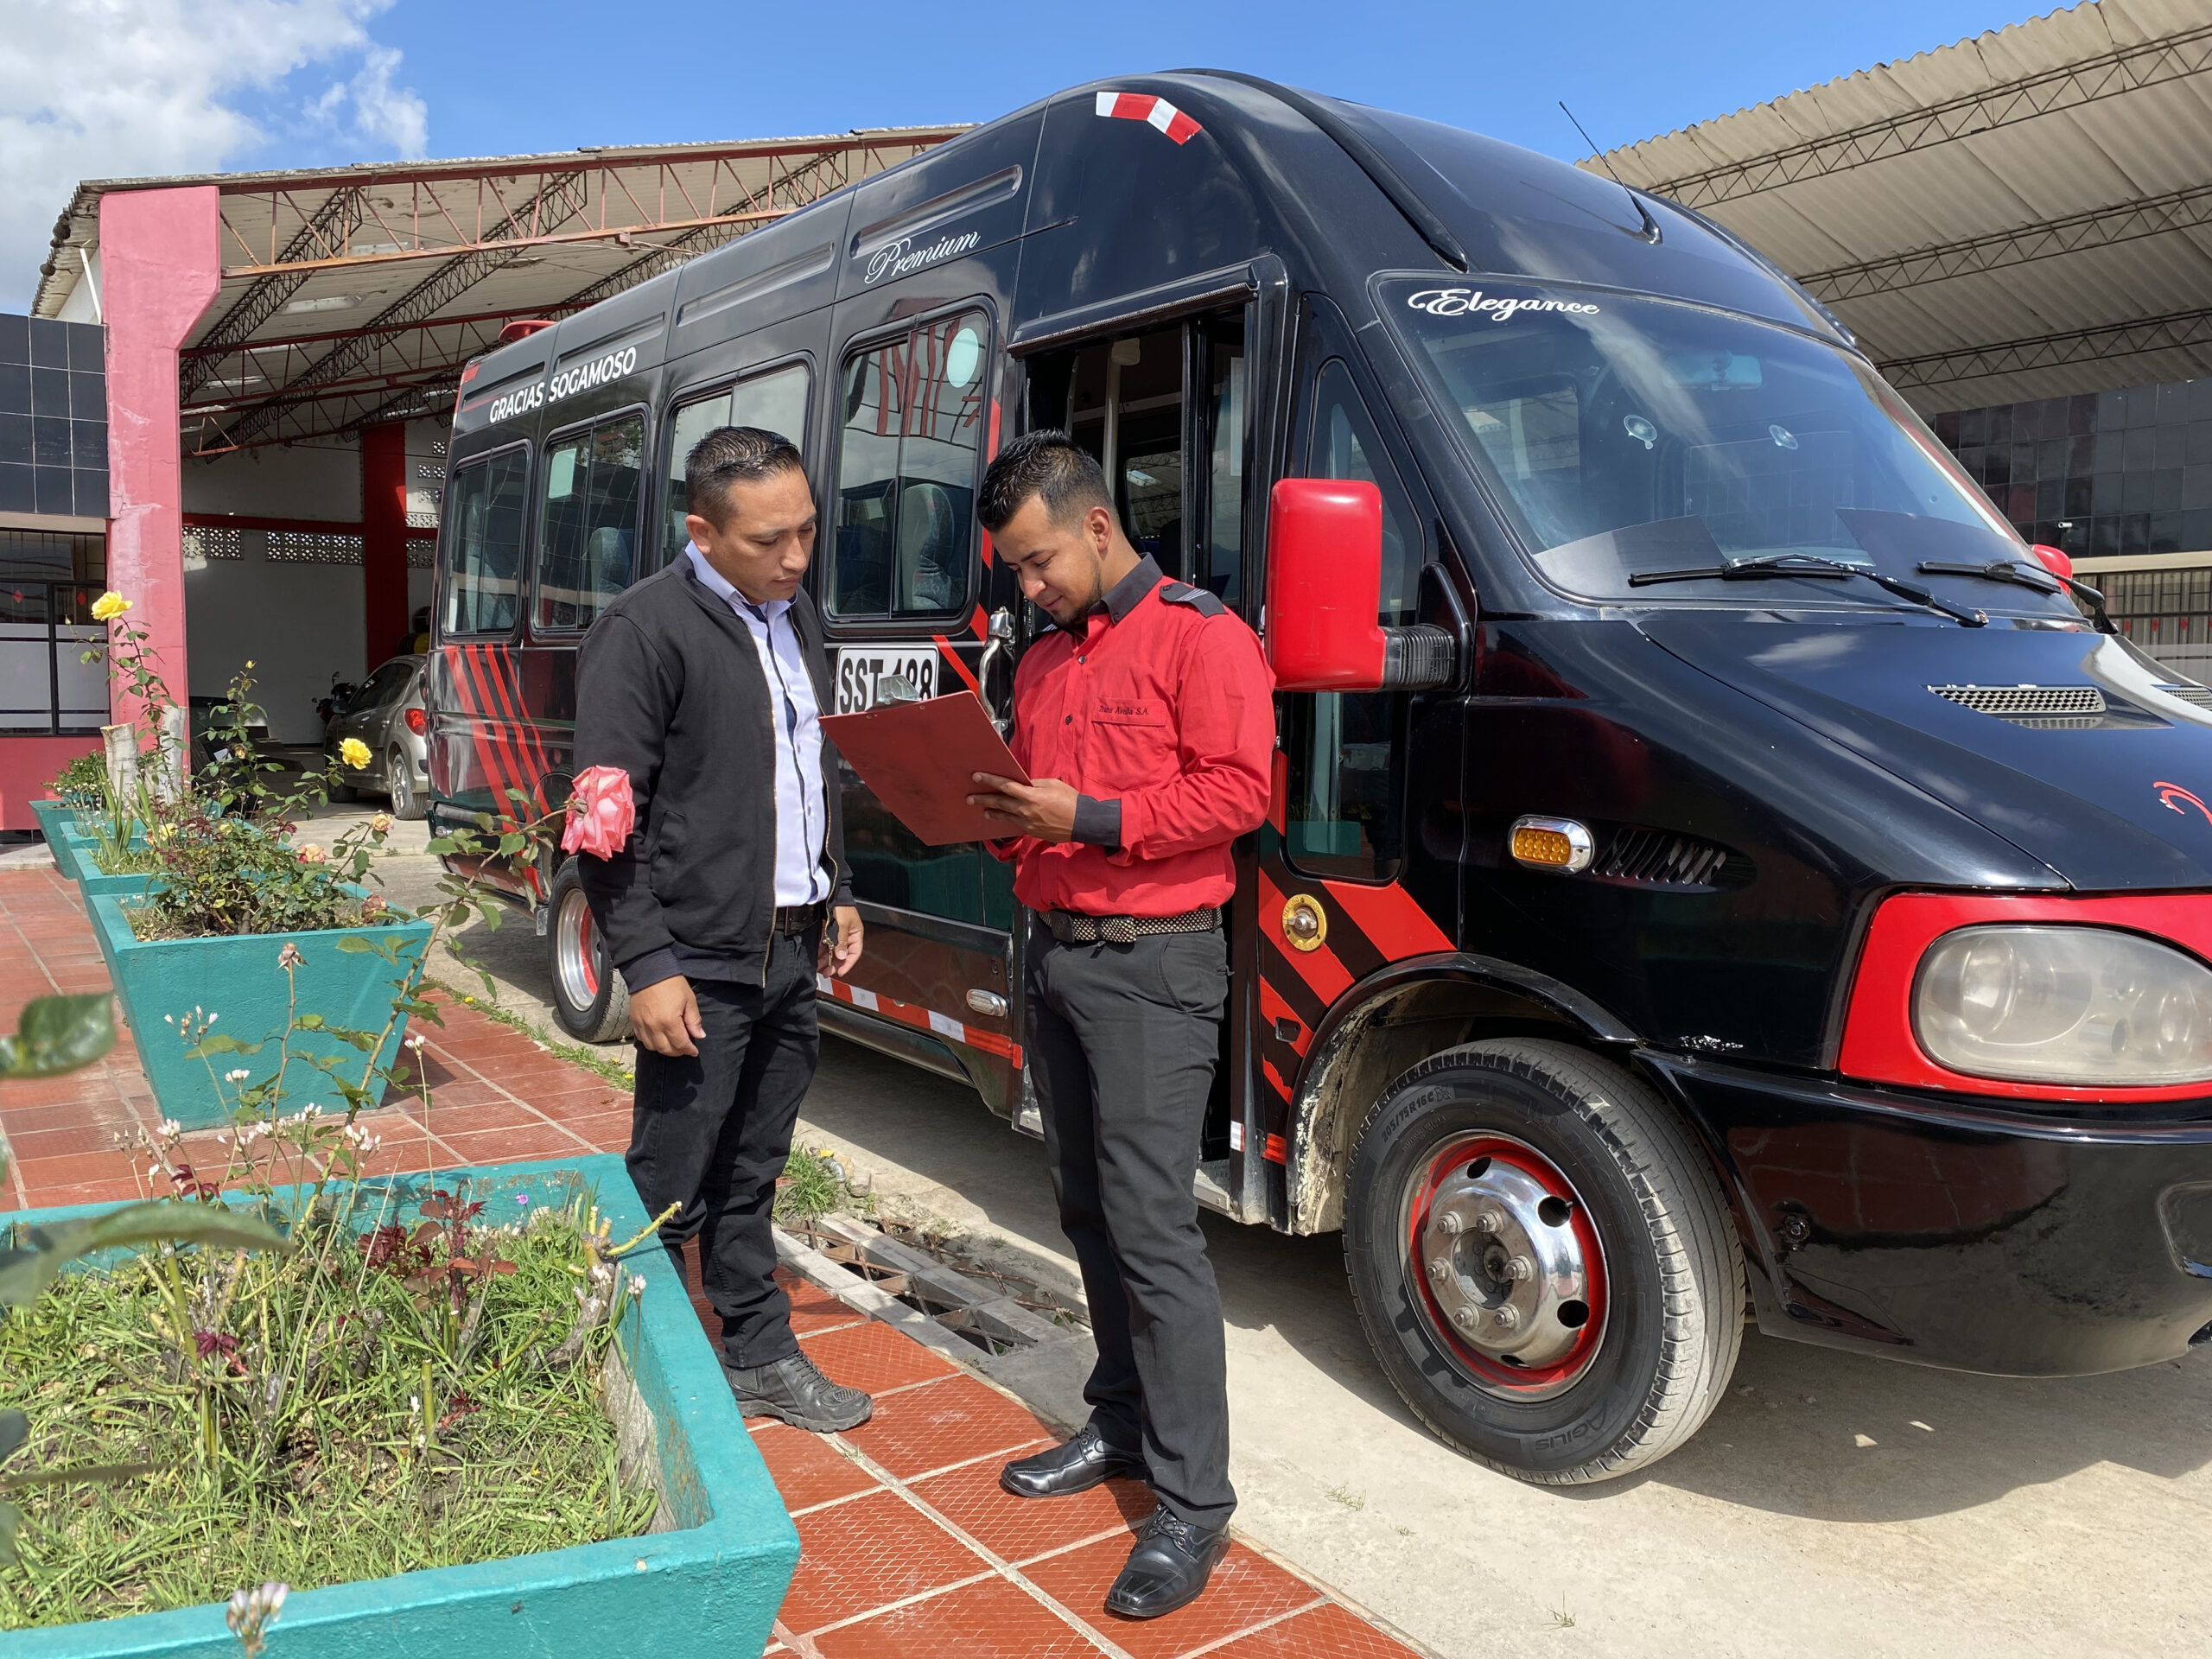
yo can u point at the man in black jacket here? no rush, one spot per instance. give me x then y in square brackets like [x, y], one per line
[705, 685]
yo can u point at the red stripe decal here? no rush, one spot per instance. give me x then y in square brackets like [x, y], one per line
[1325, 976]
[1273, 1008]
[1275, 1077]
[464, 682]
[945, 647]
[1275, 1152]
[990, 454]
[908, 1013]
[1392, 919]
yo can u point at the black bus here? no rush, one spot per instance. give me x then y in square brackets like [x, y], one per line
[1716, 870]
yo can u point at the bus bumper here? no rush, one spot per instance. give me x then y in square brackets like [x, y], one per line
[1953, 1232]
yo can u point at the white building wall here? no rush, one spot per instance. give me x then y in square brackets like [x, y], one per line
[301, 624]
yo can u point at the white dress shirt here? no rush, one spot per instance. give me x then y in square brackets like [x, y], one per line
[802, 812]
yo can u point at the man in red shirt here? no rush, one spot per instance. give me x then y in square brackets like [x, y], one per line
[1147, 718]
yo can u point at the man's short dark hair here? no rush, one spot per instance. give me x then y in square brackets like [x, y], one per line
[733, 455]
[1049, 464]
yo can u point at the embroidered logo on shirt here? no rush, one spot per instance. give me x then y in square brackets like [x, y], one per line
[1128, 711]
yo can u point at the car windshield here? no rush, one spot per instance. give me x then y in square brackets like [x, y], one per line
[1628, 436]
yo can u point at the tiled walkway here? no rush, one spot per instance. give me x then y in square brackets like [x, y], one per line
[908, 1548]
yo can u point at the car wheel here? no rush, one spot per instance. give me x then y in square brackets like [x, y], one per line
[590, 1002]
[399, 785]
[1543, 1261]
[343, 794]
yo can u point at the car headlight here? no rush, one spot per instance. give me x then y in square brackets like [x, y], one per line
[2085, 1005]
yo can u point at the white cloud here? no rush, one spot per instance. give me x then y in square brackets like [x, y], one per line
[93, 89]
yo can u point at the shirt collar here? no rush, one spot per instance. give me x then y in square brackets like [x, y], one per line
[714, 583]
[1121, 598]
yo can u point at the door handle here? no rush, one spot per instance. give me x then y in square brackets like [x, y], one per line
[1000, 642]
[987, 1002]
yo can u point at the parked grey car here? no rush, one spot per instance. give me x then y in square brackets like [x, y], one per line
[385, 712]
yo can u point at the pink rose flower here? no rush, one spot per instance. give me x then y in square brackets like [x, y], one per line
[600, 812]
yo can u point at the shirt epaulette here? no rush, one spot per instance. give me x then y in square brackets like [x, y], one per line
[1181, 593]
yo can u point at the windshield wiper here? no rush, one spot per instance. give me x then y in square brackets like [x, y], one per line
[1812, 564]
[2022, 575]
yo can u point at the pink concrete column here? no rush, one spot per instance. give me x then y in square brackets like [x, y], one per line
[161, 263]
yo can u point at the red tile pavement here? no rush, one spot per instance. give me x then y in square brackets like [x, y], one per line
[908, 1548]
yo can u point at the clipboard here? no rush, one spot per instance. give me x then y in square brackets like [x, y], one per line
[919, 758]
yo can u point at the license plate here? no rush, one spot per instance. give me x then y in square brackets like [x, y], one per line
[861, 670]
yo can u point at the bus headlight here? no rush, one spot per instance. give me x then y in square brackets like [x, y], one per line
[2085, 1005]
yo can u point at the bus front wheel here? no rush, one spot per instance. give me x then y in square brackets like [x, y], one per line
[1543, 1261]
[589, 1000]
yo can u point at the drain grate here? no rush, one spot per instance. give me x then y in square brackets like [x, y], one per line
[2019, 701]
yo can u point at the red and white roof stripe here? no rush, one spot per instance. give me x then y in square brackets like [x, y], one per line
[1152, 112]
[908, 1013]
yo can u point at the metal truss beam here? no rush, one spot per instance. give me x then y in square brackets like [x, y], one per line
[556, 202]
[332, 225]
[2177, 331]
[618, 234]
[2125, 69]
[2104, 227]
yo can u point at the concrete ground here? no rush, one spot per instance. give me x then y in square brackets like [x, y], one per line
[1833, 1504]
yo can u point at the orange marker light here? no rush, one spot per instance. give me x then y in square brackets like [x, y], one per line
[1559, 844]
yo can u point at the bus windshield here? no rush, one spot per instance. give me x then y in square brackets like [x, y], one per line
[1626, 436]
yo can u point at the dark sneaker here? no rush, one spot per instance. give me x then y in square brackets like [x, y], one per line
[1168, 1568]
[793, 1391]
[1074, 1466]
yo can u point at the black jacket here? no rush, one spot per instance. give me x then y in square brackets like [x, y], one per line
[670, 688]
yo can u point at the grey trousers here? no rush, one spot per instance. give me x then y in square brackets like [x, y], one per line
[1123, 1039]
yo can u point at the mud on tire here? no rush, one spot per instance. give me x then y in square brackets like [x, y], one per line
[1668, 1282]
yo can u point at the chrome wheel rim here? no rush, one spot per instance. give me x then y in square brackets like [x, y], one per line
[576, 952]
[397, 783]
[1504, 1266]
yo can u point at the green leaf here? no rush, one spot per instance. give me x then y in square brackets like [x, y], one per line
[441, 844]
[220, 1042]
[354, 945]
[11, 1521]
[15, 1430]
[25, 1273]
[94, 1474]
[57, 1034]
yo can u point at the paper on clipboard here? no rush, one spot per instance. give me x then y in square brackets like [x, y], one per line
[919, 758]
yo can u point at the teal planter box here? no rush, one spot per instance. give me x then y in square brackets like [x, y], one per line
[704, 1583]
[240, 981]
[51, 815]
[74, 849]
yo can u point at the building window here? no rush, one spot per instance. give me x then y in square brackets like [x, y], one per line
[2106, 474]
[912, 431]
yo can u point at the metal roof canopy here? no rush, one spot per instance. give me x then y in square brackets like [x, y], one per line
[2025, 214]
[356, 295]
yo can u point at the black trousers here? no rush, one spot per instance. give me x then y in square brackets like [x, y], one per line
[709, 1133]
[1123, 1040]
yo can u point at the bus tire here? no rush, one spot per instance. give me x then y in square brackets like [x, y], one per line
[1534, 1177]
[589, 1001]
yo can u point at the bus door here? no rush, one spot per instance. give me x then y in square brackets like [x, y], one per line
[901, 586]
[1169, 413]
[1343, 841]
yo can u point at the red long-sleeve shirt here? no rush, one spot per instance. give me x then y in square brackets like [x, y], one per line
[1161, 713]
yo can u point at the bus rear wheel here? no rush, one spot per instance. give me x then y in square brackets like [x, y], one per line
[589, 1000]
[1543, 1261]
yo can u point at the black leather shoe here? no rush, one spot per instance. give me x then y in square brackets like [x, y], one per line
[1168, 1568]
[792, 1391]
[1074, 1466]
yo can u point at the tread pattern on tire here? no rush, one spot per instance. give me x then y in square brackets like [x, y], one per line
[1702, 1329]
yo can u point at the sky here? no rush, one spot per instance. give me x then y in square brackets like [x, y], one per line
[131, 88]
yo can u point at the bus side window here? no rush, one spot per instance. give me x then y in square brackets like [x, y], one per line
[588, 522]
[913, 424]
[483, 550]
[776, 401]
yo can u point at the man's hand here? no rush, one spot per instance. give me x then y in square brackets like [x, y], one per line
[664, 1017]
[1045, 808]
[836, 959]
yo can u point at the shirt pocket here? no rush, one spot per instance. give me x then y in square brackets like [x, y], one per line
[1132, 745]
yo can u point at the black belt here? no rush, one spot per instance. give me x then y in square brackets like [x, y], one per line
[796, 918]
[1073, 927]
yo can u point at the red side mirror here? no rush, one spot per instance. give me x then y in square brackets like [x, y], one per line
[1325, 585]
[2054, 561]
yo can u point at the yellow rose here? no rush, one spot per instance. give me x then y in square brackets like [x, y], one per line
[354, 753]
[381, 824]
[109, 605]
